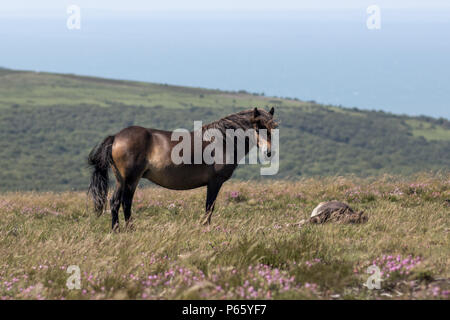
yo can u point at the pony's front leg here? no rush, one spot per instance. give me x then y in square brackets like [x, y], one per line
[213, 189]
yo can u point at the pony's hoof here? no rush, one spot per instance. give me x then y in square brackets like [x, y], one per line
[206, 221]
[130, 226]
[115, 229]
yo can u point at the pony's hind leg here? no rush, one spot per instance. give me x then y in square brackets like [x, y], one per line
[129, 157]
[127, 200]
[115, 206]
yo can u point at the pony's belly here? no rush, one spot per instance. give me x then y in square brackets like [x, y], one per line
[178, 177]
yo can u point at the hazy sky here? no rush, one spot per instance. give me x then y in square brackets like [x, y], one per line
[50, 6]
[279, 47]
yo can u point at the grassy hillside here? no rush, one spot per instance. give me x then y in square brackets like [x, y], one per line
[254, 248]
[49, 123]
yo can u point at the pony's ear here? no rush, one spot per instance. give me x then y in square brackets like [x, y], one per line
[272, 111]
[255, 112]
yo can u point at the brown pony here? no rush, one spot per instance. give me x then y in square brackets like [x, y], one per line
[137, 152]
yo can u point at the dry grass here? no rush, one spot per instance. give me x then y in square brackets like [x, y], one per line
[253, 249]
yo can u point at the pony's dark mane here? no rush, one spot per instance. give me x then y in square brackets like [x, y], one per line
[242, 120]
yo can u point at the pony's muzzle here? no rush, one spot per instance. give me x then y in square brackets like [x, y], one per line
[268, 154]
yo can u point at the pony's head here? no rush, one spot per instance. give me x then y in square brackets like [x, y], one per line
[263, 120]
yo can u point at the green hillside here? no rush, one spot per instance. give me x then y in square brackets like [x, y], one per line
[49, 123]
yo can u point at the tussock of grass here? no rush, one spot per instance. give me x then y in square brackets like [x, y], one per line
[253, 249]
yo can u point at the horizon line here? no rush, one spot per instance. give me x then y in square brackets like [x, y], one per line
[230, 91]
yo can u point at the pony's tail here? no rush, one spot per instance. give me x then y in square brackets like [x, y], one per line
[100, 159]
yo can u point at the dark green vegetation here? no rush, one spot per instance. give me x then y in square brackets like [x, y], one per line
[50, 122]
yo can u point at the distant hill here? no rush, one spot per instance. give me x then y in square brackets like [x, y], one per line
[50, 122]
